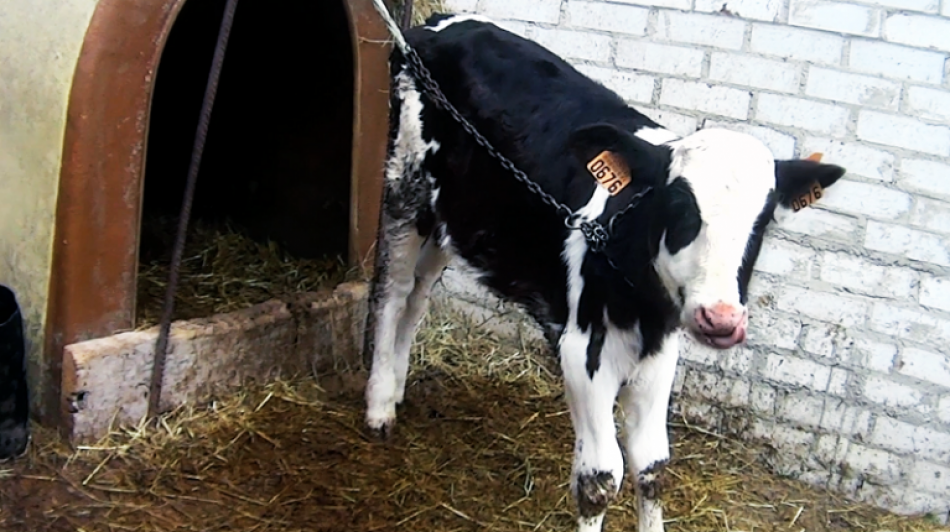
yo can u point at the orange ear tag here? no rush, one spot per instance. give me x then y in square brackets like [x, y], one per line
[815, 192]
[610, 171]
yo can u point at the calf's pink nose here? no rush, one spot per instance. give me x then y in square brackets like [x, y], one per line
[720, 318]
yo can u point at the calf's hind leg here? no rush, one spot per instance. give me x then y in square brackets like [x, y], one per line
[432, 261]
[400, 246]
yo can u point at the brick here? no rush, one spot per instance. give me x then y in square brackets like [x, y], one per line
[910, 324]
[931, 214]
[738, 360]
[677, 123]
[675, 4]
[930, 477]
[786, 259]
[880, 467]
[926, 366]
[767, 10]
[918, 30]
[796, 371]
[575, 44]
[928, 103]
[880, 496]
[838, 383]
[927, 6]
[903, 132]
[821, 223]
[820, 339]
[910, 243]
[782, 145]
[794, 43]
[741, 69]
[925, 176]
[701, 29]
[823, 306]
[852, 88]
[716, 388]
[858, 159]
[823, 118]
[896, 61]
[893, 434]
[876, 356]
[934, 505]
[841, 418]
[706, 98]
[631, 87]
[789, 440]
[693, 351]
[866, 277]
[762, 398]
[803, 409]
[608, 17]
[943, 409]
[460, 6]
[935, 292]
[835, 16]
[886, 392]
[868, 199]
[661, 58]
[528, 10]
[774, 330]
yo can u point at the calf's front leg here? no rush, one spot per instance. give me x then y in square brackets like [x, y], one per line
[598, 462]
[644, 400]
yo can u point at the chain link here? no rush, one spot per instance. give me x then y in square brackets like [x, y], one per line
[594, 232]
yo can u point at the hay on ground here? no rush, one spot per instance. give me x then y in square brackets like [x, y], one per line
[483, 443]
[223, 270]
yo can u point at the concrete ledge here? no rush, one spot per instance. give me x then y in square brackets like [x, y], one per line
[106, 380]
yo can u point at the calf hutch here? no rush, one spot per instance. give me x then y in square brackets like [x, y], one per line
[100, 105]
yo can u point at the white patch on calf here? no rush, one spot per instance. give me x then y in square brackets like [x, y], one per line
[656, 135]
[456, 19]
[730, 175]
[410, 149]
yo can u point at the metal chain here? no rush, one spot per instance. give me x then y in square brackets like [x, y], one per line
[594, 232]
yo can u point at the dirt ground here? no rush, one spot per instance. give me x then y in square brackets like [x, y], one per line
[486, 449]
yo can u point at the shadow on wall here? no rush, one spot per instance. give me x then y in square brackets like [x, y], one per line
[278, 154]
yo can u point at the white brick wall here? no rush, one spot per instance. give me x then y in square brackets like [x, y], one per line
[847, 366]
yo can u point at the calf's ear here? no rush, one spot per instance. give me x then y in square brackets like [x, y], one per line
[796, 177]
[644, 160]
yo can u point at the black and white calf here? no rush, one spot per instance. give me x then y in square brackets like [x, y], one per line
[682, 257]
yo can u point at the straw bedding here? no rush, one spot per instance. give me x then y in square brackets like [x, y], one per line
[484, 443]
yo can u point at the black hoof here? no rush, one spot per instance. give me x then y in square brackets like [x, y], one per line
[594, 492]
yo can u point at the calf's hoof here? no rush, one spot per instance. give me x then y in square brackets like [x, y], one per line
[380, 429]
[594, 492]
[13, 441]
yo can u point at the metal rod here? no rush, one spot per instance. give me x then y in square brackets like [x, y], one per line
[161, 345]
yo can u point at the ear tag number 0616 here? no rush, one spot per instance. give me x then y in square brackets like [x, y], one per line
[610, 171]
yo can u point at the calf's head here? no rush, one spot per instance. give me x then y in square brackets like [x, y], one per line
[715, 192]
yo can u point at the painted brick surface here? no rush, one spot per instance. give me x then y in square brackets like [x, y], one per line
[661, 58]
[798, 44]
[903, 132]
[790, 111]
[896, 61]
[740, 69]
[858, 89]
[846, 371]
[835, 16]
[608, 17]
[768, 10]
